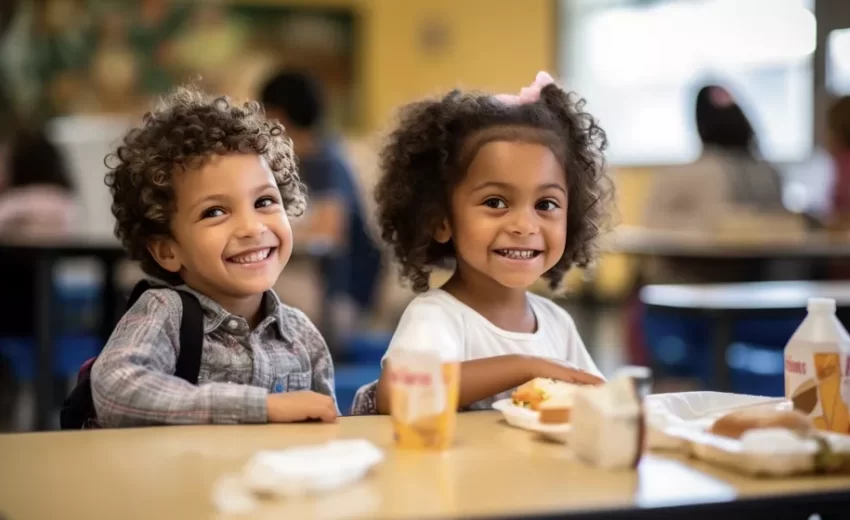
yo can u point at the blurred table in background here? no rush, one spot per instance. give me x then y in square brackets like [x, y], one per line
[493, 471]
[638, 241]
[44, 252]
[725, 303]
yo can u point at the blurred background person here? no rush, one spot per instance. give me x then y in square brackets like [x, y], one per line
[729, 189]
[36, 201]
[335, 213]
[838, 146]
[729, 177]
[37, 196]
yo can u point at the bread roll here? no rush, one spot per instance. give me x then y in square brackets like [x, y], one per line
[540, 390]
[734, 424]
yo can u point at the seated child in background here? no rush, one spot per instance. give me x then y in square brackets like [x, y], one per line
[511, 188]
[201, 193]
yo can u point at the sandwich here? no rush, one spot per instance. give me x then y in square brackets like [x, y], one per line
[556, 409]
[735, 424]
[542, 394]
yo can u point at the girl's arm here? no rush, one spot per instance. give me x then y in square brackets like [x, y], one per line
[483, 378]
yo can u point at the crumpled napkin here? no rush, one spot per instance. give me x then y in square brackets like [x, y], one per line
[296, 471]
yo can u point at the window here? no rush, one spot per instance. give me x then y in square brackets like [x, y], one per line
[639, 64]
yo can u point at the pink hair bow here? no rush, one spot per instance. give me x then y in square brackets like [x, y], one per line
[529, 94]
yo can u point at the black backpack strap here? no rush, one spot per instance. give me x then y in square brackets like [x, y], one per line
[137, 291]
[191, 332]
[191, 339]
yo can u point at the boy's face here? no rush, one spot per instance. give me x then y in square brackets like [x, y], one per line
[509, 214]
[231, 236]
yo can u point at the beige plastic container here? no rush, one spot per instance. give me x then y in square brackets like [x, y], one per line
[817, 373]
[424, 392]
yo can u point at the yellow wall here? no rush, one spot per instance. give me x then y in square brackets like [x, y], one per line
[492, 44]
[495, 45]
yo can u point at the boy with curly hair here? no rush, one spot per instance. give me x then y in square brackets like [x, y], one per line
[508, 189]
[202, 191]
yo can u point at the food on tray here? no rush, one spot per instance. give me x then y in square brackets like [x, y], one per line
[607, 424]
[537, 391]
[735, 424]
[831, 460]
[556, 409]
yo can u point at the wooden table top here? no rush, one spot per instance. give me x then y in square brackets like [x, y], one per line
[493, 470]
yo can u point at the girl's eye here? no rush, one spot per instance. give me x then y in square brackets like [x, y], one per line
[264, 202]
[547, 205]
[212, 213]
[495, 203]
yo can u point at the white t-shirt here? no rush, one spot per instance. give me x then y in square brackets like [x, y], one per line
[438, 314]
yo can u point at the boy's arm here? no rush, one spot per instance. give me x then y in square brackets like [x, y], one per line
[133, 383]
[483, 378]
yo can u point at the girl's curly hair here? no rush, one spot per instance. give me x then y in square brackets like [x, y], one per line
[182, 133]
[428, 153]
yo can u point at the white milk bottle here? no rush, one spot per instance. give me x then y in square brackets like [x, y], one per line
[817, 374]
[424, 390]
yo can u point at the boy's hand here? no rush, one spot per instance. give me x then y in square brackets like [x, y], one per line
[562, 371]
[300, 406]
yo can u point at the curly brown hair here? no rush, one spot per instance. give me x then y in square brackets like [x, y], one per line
[182, 133]
[428, 153]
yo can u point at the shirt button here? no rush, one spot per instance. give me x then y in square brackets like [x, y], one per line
[233, 324]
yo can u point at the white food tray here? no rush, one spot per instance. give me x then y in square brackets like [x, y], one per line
[530, 420]
[679, 422]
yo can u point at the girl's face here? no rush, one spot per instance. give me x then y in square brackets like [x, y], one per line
[509, 215]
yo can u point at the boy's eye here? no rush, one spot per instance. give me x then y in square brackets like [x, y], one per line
[212, 213]
[264, 202]
[547, 205]
[495, 203]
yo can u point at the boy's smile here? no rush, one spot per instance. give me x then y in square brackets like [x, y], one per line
[231, 236]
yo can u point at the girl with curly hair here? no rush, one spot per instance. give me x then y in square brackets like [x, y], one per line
[507, 189]
[201, 192]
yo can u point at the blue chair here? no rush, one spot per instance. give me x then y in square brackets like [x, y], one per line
[756, 369]
[76, 320]
[365, 348]
[681, 346]
[70, 353]
[349, 378]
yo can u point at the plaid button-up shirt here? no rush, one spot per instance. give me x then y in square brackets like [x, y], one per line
[133, 381]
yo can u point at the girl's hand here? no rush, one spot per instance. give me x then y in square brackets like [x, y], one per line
[561, 371]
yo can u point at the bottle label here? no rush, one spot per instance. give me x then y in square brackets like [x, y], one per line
[418, 390]
[817, 381]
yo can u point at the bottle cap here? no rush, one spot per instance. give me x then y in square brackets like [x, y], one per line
[821, 305]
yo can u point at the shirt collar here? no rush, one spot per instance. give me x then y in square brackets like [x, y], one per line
[215, 315]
